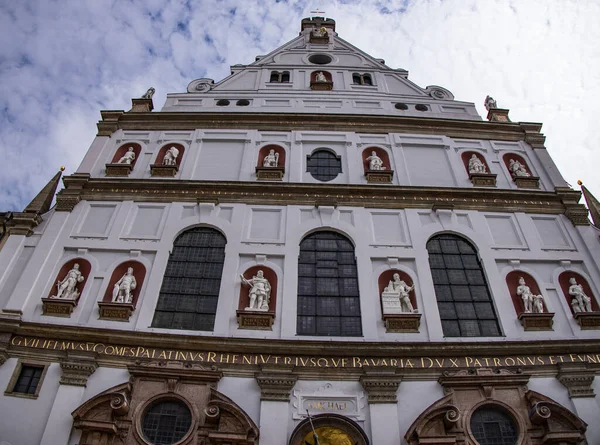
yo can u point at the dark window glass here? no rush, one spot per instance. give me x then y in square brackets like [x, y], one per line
[166, 422]
[222, 103]
[285, 77]
[190, 288]
[464, 301]
[492, 426]
[356, 79]
[328, 299]
[323, 165]
[29, 379]
[242, 103]
[367, 79]
[274, 76]
[401, 106]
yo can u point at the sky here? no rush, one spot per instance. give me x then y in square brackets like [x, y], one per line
[62, 61]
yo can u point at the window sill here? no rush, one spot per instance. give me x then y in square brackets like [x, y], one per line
[21, 395]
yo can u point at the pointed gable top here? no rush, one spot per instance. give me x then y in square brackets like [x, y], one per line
[42, 202]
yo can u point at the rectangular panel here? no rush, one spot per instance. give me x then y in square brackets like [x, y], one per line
[428, 166]
[98, 220]
[277, 103]
[388, 228]
[551, 232]
[265, 224]
[367, 104]
[147, 222]
[504, 231]
[220, 160]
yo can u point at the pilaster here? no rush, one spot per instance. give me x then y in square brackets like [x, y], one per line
[577, 379]
[76, 369]
[381, 385]
[276, 384]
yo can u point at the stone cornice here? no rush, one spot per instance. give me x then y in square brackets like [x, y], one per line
[275, 384]
[82, 187]
[113, 120]
[578, 380]
[381, 385]
[77, 368]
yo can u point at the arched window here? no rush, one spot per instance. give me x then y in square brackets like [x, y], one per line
[462, 293]
[361, 79]
[492, 426]
[323, 165]
[190, 288]
[328, 300]
[279, 77]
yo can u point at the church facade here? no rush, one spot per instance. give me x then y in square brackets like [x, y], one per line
[312, 250]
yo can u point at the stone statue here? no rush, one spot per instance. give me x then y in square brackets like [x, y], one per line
[123, 289]
[260, 292]
[320, 77]
[396, 297]
[476, 165]
[67, 288]
[171, 156]
[517, 169]
[375, 162]
[320, 32]
[148, 94]
[533, 303]
[581, 302]
[272, 159]
[490, 103]
[128, 157]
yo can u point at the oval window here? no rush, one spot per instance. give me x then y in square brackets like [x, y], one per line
[320, 59]
[493, 426]
[166, 422]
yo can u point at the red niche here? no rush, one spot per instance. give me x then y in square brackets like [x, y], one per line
[163, 150]
[139, 272]
[269, 274]
[263, 152]
[512, 281]
[381, 153]
[466, 155]
[563, 280]
[84, 267]
[137, 149]
[313, 76]
[507, 157]
[388, 275]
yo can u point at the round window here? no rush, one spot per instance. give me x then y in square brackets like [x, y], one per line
[401, 106]
[493, 426]
[320, 59]
[166, 422]
[242, 103]
[421, 107]
[222, 103]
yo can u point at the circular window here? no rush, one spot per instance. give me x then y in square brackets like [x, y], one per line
[166, 422]
[242, 103]
[400, 106]
[421, 107]
[320, 59]
[323, 165]
[222, 103]
[493, 426]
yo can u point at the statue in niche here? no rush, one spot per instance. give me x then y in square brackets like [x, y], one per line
[67, 288]
[396, 297]
[148, 94]
[260, 292]
[123, 289]
[171, 156]
[320, 32]
[476, 165]
[128, 157]
[581, 302]
[375, 162]
[320, 77]
[517, 169]
[490, 102]
[272, 159]
[533, 303]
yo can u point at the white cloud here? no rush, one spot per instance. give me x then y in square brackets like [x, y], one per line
[62, 62]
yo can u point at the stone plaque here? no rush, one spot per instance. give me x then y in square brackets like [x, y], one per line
[163, 171]
[527, 182]
[270, 173]
[588, 320]
[379, 176]
[536, 322]
[115, 311]
[483, 179]
[402, 322]
[57, 307]
[262, 321]
[327, 399]
[118, 169]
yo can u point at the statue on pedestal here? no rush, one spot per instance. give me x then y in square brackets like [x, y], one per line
[67, 288]
[518, 169]
[490, 102]
[272, 159]
[123, 289]
[476, 165]
[320, 77]
[148, 94]
[396, 297]
[533, 303]
[260, 292]
[581, 302]
[375, 162]
[128, 157]
[170, 157]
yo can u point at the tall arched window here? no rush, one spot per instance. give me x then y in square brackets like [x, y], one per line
[462, 293]
[328, 300]
[190, 288]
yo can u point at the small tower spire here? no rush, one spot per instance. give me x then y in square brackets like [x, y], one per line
[42, 202]
[592, 203]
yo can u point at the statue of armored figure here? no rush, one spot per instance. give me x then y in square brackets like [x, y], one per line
[123, 289]
[272, 159]
[148, 94]
[490, 102]
[396, 297]
[375, 162]
[66, 289]
[170, 157]
[581, 302]
[533, 303]
[128, 157]
[260, 292]
[517, 169]
[476, 165]
[320, 77]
